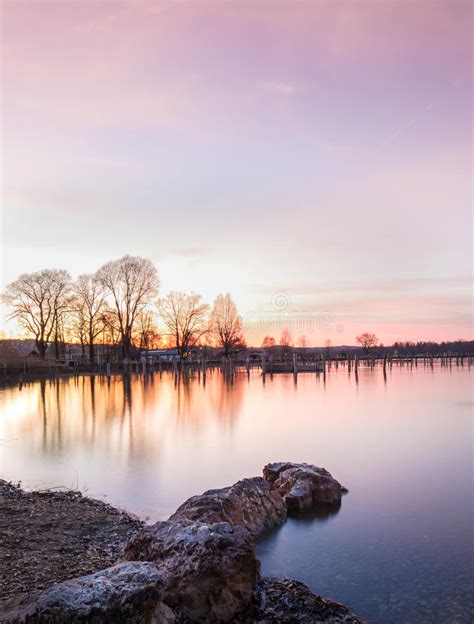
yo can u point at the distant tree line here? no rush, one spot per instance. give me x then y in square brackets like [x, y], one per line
[118, 305]
[369, 344]
[461, 347]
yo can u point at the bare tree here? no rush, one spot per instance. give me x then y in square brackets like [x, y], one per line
[367, 341]
[185, 318]
[225, 324]
[89, 308]
[328, 344]
[146, 334]
[286, 338]
[131, 284]
[39, 302]
[302, 342]
[268, 341]
[62, 303]
[78, 325]
[110, 334]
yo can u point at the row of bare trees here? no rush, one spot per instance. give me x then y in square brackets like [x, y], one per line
[286, 340]
[119, 305]
[366, 340]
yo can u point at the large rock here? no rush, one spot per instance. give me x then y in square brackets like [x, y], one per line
[303, 486]
[209, 569]
[285, 601]
[127, 592]
[251, 503]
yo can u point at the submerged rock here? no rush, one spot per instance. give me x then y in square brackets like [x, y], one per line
[254, 504]
[209, 569]
[303, 485]
[286, 601]
[127, 592]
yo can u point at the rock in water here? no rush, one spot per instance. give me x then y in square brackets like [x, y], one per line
[209, 569]
[127, 592]
[303, 486]
[251, 503]
[285, 601]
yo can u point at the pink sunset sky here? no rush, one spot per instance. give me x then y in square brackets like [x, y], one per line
[314, 159]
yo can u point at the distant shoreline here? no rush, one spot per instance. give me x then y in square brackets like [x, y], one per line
[22, 374]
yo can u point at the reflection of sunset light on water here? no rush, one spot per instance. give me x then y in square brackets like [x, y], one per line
[150, 444]
[147, 445]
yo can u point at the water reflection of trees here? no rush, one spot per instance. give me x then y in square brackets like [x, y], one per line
[123, 417]
[50, 409]
[199, 400]
[131, 415]
[226, 397]
[91, 412]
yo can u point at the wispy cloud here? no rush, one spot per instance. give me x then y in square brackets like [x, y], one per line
[283, 88]
[389, 287]
[190, 252]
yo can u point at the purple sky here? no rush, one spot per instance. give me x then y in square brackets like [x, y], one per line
[312, 158]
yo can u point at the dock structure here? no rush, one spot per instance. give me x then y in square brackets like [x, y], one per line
[264, 361]
[294, 367]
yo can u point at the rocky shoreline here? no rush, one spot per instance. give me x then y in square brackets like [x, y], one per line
[198, 566]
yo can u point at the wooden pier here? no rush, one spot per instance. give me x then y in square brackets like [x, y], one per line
[293, 363]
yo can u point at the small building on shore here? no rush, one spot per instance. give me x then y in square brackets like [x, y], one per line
[157, 355]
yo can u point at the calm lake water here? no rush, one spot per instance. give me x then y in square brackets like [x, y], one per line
[399, 549]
